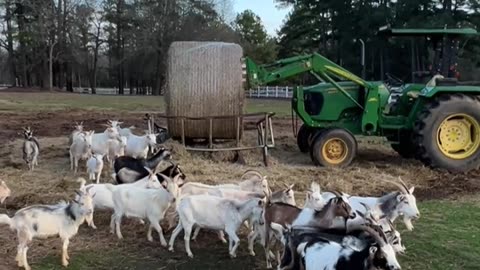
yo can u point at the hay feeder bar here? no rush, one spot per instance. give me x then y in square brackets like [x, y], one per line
[265, 137]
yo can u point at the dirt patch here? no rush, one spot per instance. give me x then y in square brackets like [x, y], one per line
[52, 181]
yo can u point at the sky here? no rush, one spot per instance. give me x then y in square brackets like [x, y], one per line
[271, 16]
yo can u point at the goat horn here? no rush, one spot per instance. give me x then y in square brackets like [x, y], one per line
[400, 186]
[166, 178]
[366, 206]
[78, 192]
[338, 194]
[255, 172]
[403, 184]
[375, 234]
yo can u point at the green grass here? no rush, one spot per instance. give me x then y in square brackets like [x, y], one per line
[47, 101]
[447, 237]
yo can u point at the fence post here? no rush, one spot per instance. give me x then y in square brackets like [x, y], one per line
[286, 91]
[276, 91]
[258, 91]
[267, 92]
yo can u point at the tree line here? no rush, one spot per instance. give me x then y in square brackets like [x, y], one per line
[124, 43]
[334, 28]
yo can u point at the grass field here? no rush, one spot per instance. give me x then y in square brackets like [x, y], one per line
[51, 101]
[447, 236]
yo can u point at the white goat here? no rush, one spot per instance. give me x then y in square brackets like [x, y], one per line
[80, 149]
[116, 149]
[137, 146]
[103, 198]
[214, 213]
[78, 128]
[95, 167]
[125, 132]
[31, 149]
[143, 203]
[40, 221]
[5, 192]
[100, 140]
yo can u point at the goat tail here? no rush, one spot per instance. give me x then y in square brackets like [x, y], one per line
[82, 182]
[4, 219]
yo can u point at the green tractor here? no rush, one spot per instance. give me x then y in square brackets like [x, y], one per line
[437, 122]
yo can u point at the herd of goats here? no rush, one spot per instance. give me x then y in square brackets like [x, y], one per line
[332, 230]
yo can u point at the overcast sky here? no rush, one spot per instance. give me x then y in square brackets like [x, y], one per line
[272, 17]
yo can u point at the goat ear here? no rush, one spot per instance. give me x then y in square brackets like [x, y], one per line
[411, 190]
[373, 250]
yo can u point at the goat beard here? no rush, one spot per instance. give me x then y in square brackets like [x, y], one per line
[408, 223]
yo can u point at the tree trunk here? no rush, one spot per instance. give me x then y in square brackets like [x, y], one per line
[11, 53]
[50, 66]
[120, 72]
[20, 10]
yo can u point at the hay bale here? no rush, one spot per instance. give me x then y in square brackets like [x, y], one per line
[204, 79]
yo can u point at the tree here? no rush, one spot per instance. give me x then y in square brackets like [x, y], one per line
[254, 38]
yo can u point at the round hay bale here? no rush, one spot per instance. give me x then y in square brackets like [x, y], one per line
[204, 79]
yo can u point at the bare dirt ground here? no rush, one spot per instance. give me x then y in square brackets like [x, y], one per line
[53, 181]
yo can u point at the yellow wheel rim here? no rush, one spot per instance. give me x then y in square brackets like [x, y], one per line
[458, 136]
[335, 151]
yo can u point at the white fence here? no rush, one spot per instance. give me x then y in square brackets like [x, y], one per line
[270, 92]
[281, 92]
[106, 91]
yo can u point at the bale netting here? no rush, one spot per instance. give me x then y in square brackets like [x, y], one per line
[204, 79]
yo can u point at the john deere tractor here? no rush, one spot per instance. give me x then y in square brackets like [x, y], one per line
[437, 122]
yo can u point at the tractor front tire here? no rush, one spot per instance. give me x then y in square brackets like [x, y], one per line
[447, 133]
[334, 147]
[305, 137]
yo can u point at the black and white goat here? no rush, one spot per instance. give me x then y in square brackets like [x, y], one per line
[30, 148]
[40, 221]
[360, 248]
[129, 169]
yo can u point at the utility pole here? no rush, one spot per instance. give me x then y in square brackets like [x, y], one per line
[363, 58]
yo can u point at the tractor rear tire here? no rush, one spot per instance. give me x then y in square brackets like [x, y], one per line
[447, 133]
[305, 137]
[334, 147]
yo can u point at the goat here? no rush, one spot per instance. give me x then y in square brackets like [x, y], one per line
[285, 196]
[255, 186]
[80, 149]
[31, 149]
[5, 192]
[214, 213]
[129, 169]
[144, 203]
[392, 205]
[350, 253]
[116, 149]
[40, 221]
[137, 146]
[104, 199]
[100, 140]
[324, 214]
[95, 167]
[124, 132]
[78, 128]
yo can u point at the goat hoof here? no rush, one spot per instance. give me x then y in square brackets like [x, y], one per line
[233, 255]
[150, 239]
[65, 263]
[252, 253]
[170, 249]
[190, 255]
[164, 244]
